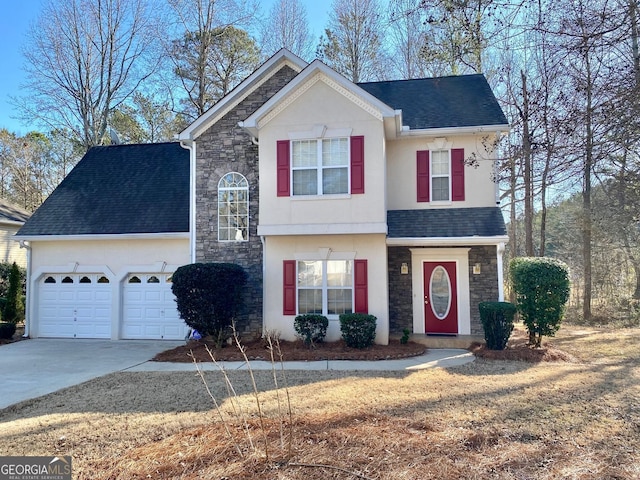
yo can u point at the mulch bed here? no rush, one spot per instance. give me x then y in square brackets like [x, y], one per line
[259, 350]
[519, 350]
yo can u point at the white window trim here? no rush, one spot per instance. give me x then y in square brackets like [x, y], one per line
[432, 175]
[218, 206]
[318, 133]
[440, 144]
[325, 289]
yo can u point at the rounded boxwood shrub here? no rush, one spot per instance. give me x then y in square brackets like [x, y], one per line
[542, 287]
[358, 329]
[7, 329]
[209, 296]
[497, 322]
[311, 328]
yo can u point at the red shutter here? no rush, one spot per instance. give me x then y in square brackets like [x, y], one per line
[361, 284]
[457, 174]
[282, 167]
[357, 164]
[289, 287]
[422, 170]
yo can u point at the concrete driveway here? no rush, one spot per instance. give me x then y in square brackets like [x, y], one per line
[31, 368]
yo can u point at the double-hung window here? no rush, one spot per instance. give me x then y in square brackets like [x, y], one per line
[320, 167]
[325, 287]
[440, 176]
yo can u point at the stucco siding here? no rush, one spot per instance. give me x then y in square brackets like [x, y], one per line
[480, 189]
[369, 247]
[322, 112]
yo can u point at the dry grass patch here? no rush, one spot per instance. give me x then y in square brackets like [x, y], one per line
[488, 419]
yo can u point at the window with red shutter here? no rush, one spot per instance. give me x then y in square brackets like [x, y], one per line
[423, 178]
[357, 165]
[289, 287]
[283, 170]
[361, 286]
[457, 174]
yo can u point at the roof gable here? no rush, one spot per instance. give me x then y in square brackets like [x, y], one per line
[443, 102]
[282, 58]
[315, 72]
[120, 189]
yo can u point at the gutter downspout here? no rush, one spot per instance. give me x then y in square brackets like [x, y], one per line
[500, 251]
[191, 146]
[28, 309]
[263, 240]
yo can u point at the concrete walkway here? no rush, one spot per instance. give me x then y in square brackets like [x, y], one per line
[36, 367]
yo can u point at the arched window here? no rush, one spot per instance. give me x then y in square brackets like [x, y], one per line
[85, 280]
[233, 208]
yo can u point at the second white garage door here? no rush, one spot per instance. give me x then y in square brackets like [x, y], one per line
[149, 308]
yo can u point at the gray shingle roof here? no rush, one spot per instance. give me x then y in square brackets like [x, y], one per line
[12, 213]
[119, 189]
[449, 222]
[458, 101]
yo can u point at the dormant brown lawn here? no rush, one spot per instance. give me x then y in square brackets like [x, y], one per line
[489, 419]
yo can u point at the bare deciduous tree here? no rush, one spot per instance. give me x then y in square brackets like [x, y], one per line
[407, 38]
[287, 26]
[354, 38]
[84, 58]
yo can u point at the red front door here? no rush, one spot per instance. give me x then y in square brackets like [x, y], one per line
[440, 298]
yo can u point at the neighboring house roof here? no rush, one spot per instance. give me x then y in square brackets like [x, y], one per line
[120, 189]
[12, 214]
[457, 101]
[446, 223]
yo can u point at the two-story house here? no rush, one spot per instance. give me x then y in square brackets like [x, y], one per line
[334, 196]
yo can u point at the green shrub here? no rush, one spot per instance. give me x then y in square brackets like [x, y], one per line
[497, 322]
[209, 296]
[406, 333]
[358, 329]
[311, 328]
[13, 310]
[541, 286]
[7, 329]
[5, 272]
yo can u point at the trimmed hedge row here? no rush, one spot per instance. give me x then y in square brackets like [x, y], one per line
[358, 329]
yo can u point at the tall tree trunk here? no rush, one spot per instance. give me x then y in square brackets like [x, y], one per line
[633, 16]
[526, 159]
[513, 225]
[586, 195]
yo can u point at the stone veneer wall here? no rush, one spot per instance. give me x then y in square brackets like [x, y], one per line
[400, 294]
[484, 287]
[225, 148]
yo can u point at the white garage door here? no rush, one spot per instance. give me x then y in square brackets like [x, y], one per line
[75, 306]
[150, 309]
